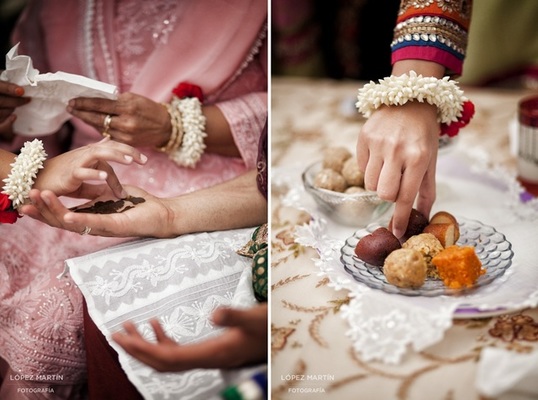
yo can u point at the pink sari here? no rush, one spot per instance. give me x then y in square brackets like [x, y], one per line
[146, 48]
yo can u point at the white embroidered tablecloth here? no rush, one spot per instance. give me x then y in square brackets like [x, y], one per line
[180, 282]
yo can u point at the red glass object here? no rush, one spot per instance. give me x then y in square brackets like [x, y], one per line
[527, 157]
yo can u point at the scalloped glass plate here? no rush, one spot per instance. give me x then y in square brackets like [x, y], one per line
[491, 247]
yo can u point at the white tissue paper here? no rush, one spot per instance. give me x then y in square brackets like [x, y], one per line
[506, 375]
[50, 94]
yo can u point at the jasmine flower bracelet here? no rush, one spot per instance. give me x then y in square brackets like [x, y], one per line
[24, 171]
[454, 109]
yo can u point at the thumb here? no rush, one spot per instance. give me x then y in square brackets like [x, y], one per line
[228, 317]
[240, 318]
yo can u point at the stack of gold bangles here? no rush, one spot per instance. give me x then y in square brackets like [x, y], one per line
[176, 137]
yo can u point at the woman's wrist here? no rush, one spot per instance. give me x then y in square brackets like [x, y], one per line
[180, 215]
[185, 144]
[166, 133]
[6, 159]
[421, 67]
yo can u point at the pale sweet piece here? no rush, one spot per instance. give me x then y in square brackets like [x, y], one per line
[330, 180]
[429, 246]
[405, 268]
[354, 190]
[352, 174]
[334, 158]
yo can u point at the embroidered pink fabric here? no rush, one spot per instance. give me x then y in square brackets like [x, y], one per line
[145, 48]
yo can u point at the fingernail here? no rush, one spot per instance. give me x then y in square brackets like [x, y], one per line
[45, 200]
[124, 194]
[143, 158]
[19, 91]
[128, 158]
[103, 175]
[398, 233]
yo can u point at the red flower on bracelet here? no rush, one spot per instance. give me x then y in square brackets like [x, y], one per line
[186, 89]
[466, 116]
[7, 214]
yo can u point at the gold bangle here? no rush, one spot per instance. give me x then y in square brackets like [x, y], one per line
[106, 125]
[176, 136]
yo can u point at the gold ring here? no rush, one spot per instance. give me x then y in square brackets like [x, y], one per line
[106, 125]
[86, 231]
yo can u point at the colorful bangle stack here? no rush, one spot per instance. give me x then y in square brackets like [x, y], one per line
[21, 179]
[186, 144]
[454, 109]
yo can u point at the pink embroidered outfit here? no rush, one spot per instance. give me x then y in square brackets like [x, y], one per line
[145, 48]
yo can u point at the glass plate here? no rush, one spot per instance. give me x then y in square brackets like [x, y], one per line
[492, 248]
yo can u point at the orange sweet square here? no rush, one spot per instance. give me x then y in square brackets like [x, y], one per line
[458, 266]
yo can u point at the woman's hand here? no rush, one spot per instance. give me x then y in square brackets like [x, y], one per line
[397, 150]
[244, 342]
[136, 120]
[11, 97]
[137, 221]
[65, 174]
[233, 204]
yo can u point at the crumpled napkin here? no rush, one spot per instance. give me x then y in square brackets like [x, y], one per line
[50, 94]
[507, 375]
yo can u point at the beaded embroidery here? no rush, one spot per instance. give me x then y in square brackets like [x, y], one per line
[435, 30]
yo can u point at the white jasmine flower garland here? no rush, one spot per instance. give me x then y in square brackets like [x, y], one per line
[24, 171]
[398, 90]
[193, 121]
